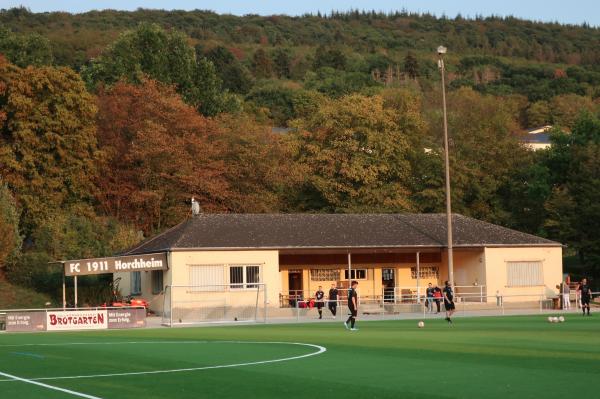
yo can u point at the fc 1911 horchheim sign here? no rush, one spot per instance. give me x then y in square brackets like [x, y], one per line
[131, 263]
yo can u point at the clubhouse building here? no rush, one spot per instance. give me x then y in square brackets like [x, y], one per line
[393, 256]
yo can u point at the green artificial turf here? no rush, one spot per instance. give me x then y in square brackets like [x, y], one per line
[491, 357]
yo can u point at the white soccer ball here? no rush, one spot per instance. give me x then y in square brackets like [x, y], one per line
[555, 319]
[561, 319]
[550, 319]
[421, 324]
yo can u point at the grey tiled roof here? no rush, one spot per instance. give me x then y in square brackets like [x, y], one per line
[281, 231]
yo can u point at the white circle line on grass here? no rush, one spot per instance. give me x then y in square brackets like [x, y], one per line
[319, 350]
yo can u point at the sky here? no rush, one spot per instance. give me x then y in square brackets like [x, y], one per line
[570, 12]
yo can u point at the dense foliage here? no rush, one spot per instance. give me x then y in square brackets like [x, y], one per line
[111, 121]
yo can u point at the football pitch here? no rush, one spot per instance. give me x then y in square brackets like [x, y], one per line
[485, 357]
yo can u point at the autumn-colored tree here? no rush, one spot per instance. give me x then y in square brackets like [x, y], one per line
[10, 239]
[48, 151]
[262, 65]
[354, 153]
[484, 150]
[567, 108]
[260, 165]
[160, 153]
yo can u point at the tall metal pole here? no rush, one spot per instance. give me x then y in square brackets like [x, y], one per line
[441, 52]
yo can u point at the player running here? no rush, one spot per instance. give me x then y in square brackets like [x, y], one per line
[352, 306]
[449, 302]
[333, 296]
[585, 293]
[319, 295]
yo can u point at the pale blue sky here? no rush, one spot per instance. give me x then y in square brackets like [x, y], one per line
[574, 11]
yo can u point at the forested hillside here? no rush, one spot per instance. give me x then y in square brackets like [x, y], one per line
[111, 121]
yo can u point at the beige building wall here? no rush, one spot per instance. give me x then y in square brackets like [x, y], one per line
[267, 260]
[496, 271]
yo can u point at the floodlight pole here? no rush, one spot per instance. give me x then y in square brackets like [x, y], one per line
[441, 52]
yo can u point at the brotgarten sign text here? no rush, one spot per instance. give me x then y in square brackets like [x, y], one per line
[132, 263]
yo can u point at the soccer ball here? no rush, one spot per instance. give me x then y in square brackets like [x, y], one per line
[555, 319]
[561, 319]
[421, 324]
[550, 319]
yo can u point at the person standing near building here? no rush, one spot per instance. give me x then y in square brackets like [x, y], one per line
[566, 294]
[437, 294]
[449, 302]
[429, 293]
[352, 306]
[319, 295]
[585, 293]
[333, 296]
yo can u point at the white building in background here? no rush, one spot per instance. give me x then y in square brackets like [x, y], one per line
[537, 138]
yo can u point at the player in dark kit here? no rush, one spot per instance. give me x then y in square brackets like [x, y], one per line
[449, 301]
[333, 296]
[585, 293]
[352, 306]
[319, 295]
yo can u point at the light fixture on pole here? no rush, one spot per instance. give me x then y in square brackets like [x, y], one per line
[441, 50]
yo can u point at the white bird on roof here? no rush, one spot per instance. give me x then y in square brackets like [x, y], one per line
[195, 207]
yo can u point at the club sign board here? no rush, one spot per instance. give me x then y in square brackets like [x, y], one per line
[130, 263]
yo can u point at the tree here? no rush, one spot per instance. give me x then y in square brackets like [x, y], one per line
[574, 206]
[354, 155]
[255, 158]
[538, 114]
[10, 239]
[282, 63]
[165, 56]
[567, 108]
[484, 151]
[329, 57]
[234, 75]
[48, 151]
[24, 50]
[411, 65]
[262, 65]
[160, 153]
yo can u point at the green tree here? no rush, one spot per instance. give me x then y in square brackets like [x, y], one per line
[574, 206]
[164, 56]
[353, 152]
[282, 63]
[411, 65]
[234, 75]
[23, 50]
[538, 114]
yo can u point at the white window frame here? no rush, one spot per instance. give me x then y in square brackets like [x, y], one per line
[244, 285]
[354, 272]
[205, 286]
[529, 278]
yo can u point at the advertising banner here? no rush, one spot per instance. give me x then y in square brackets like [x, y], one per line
[131, 263]
[25, 321]
[126, 318]
[76, 320]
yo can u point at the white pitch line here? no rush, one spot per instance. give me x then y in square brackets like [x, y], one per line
[40, 384]
[321, 349]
